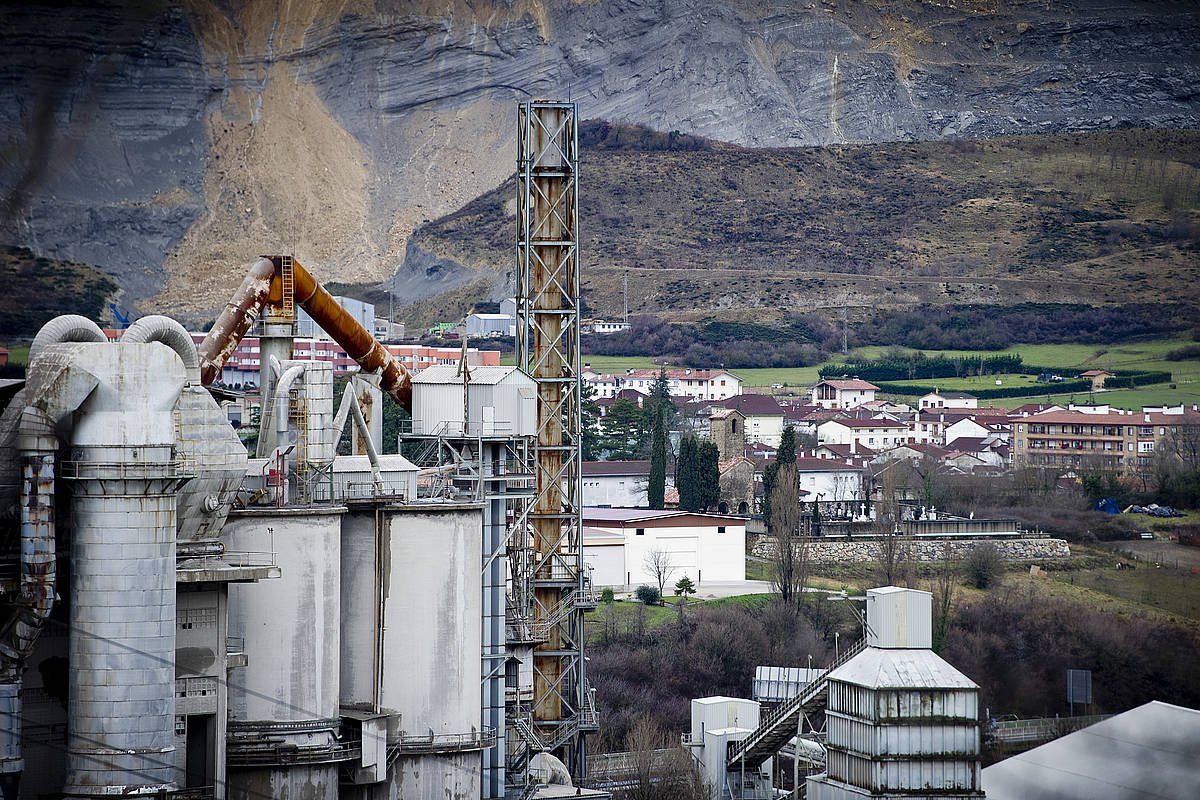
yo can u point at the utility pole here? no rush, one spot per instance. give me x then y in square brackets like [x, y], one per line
[845, 332]
[625, 294]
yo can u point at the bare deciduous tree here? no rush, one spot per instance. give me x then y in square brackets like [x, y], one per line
[942, 589]
[658, 564]
[791, 553]
[662, 770]
[892, 552]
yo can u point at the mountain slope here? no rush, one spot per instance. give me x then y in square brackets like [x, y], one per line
[730, 232]
[171, 143]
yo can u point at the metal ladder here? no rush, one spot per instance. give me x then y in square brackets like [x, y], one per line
[287, 282]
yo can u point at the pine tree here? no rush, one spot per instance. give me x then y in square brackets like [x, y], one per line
[656, 491]
[623, 430]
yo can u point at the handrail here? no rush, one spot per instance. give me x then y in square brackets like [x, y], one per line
[476, 739]
[788, 709]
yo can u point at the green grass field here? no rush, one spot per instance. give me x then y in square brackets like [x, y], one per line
[18, 354]
[1069, 359]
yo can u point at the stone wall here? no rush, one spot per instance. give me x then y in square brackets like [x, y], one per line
[833, 551]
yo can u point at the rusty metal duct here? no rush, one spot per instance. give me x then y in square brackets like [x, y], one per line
[237, 318]
[267, 282]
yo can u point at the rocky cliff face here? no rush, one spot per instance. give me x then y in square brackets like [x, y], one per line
[171, 145]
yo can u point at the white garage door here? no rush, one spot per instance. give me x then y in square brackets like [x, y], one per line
[684, 551]
[607, 565]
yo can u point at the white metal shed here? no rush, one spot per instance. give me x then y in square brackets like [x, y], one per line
[496, 401]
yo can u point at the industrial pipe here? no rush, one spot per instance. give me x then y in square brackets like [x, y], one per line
[67, 328]
[236, 318]
[37, 445]
[157, 328]
[356, 340]
[263, 285]
[350, 403]
[282, 387]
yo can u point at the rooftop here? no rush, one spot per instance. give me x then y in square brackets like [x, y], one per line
[952, 395]
[595, 468]
[1147, 752]
[449, 373]
[753, 404]
[893, 668]
[848, 383]
[867, 423]
[594, 514]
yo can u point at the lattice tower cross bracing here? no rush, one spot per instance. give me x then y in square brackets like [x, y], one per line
[548, 340]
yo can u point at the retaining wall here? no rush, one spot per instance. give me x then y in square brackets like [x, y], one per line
[830, 551]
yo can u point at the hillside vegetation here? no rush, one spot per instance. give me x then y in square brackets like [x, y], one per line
[37, 289]
[713, 231]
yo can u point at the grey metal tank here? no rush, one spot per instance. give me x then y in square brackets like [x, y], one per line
[122, 635]
[412, 643]
[283, 705]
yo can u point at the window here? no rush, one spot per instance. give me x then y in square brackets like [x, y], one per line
[720, 529]
[640, 532]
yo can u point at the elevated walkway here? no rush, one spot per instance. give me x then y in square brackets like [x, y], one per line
[779, 727]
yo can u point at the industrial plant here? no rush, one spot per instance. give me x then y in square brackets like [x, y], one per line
[187, 619]
[318, 618]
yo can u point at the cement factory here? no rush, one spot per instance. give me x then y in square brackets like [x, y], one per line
[189, 620]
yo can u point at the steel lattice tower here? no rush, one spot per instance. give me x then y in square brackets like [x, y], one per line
[548, 324]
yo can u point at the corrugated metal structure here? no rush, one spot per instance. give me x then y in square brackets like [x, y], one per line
[776, 684]
[487, 401]
[900, 720]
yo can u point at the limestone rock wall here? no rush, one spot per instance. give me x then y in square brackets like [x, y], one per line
[843, 551]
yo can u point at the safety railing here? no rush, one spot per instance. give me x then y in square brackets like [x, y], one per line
[475, 739]
[122, 470]
[775, 729]
[230, 558]
[456, 429]
[271, 753]
[1039, 729]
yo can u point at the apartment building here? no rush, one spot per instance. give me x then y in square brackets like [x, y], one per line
[874, 434]
[697, 384]
[1111, 441]
[242, 366]
[842, 393]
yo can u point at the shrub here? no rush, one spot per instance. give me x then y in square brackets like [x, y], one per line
[984, 565]
[606, 595]
[647, 594]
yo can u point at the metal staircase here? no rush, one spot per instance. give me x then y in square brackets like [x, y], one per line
[778, 727]
[583, 599]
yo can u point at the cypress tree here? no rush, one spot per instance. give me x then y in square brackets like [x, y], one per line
[786, 453]
[656, 491]
[685, 475]
[709, 479]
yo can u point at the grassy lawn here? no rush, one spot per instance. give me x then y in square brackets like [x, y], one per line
[1168, 590]
[1069, 359]
[18, 354]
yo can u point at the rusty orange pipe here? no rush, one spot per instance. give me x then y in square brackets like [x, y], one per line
[356, 340]
[262, 285]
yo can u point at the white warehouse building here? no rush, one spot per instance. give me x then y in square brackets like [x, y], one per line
[704, 547]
